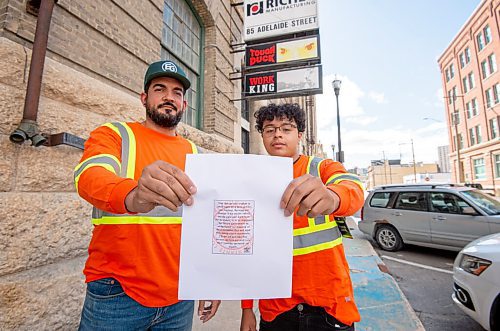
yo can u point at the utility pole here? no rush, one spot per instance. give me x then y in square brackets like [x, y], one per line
[414, 165]
[457, 142]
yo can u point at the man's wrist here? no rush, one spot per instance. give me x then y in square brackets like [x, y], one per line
[129, 201]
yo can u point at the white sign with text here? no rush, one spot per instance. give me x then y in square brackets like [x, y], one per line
[236, 242]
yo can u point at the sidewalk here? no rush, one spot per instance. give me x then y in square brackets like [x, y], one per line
[382, 305]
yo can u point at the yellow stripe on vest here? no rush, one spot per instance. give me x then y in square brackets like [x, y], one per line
[136, 220]
[317, 248]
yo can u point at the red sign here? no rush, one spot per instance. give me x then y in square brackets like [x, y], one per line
[261, 55]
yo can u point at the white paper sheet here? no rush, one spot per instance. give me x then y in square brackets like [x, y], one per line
[236, 242]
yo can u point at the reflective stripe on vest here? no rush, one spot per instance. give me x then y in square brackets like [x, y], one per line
[107, 161]
[337, 178]
[321, 233]
[159, 214]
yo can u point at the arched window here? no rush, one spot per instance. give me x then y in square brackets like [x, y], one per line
[181, 43]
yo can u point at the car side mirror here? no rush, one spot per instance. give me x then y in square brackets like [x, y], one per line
[468, 211]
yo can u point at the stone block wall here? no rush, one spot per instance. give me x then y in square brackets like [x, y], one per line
[97, 54]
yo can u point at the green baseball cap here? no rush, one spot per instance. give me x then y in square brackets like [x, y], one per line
[166, 68]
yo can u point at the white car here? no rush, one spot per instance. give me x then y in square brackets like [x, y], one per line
[476, 276]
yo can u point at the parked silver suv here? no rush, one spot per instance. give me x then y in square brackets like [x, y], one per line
[444, 216]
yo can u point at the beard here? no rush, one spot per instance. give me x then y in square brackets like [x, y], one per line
[165, 120]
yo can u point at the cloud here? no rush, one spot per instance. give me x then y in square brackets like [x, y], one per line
[365, 141]
[362, 120]
[377, 97]
[326, 104]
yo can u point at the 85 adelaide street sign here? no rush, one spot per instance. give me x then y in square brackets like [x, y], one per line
[270, 18]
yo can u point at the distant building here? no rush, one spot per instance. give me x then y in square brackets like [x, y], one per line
[444, 158]
[428, 178]
[393, 172]
[470, 79]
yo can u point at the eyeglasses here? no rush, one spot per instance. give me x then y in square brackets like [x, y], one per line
[286, 128]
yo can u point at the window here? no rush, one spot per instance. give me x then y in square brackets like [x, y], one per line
[181, 42]
[489, 66]
[468, 82]
[497, 166]
[492, 63]
[496, 93]
[245, 110]
[467, 55]
[487, 34]
[472, 136]
[447, 203]
[245, 141]
[447, 74]
[455, 118]
[381, 199]
[472, 83]
[411, 201]
[480, 41]
[450, 96]
[479, 169]
[471, 108]
[494, 127]
[489, 97]
[479, 136]
[462, 60]
[460, 141]
[452, 70]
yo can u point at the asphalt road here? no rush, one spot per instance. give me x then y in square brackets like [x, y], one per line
[428, 291]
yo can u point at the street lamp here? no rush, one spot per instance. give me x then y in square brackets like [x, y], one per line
[336, 88]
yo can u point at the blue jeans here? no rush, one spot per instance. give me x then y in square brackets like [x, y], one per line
[108, 308]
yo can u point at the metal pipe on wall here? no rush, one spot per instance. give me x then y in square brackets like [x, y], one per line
[28, 129]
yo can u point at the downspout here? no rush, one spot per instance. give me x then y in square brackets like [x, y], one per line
[28, 129]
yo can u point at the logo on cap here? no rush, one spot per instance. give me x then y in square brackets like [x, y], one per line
[169, 66]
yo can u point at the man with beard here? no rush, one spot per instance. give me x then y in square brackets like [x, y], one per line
[133, 175]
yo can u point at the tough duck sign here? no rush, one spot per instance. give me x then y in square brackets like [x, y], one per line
[270, 18]
[269, 54]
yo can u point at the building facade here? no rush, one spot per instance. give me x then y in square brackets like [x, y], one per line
[470, 78]
[444, 158]
[386, 172]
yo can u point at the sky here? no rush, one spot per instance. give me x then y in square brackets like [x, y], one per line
[385, 53]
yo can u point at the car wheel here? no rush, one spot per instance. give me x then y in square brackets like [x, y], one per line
[388, 238]
[495, 315]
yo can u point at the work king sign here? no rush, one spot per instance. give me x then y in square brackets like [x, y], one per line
[275, 84]
[270, 18]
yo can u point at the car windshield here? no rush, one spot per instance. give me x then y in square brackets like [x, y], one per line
[488, 204]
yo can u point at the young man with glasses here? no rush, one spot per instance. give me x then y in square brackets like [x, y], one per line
[322, 294]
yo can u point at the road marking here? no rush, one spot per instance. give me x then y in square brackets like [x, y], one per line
[416, 264]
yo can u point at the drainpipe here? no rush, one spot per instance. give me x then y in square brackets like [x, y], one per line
[28, 129]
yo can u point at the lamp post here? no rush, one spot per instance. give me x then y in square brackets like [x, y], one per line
[336, 88]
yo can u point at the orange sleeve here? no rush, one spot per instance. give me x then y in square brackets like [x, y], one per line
[346, 185]
[96, 177]
[246, 304]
